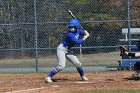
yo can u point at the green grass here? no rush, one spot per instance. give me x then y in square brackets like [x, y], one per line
[107, 91]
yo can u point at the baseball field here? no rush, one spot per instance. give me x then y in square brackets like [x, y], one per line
[99, 82]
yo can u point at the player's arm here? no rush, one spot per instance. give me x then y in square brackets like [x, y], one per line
[74, 39]
[78, 41]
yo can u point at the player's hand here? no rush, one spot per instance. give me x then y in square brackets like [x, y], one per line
[86, 35]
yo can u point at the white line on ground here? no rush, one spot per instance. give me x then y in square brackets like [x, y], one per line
[83, 82]
[25, 90]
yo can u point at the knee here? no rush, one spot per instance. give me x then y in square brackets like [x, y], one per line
[78, 64]
[60, 67]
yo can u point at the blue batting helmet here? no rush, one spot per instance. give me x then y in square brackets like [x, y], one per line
[74, 22]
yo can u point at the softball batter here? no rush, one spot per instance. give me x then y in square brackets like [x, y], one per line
[64, 49]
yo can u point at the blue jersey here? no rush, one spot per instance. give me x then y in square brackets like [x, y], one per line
[72, 38]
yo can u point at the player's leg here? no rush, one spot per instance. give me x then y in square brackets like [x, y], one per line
[77, 64]
[61, 64]
[136, 74]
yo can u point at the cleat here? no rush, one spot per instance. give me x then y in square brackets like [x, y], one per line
[84, 78]
[123, 51]
[135, 76]
[48, 80]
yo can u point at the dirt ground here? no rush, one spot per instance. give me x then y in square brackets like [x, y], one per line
[63, 82]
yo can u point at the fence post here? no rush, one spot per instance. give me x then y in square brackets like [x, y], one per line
[129, 28]
[36, 34]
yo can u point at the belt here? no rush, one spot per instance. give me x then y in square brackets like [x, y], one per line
[66, 46]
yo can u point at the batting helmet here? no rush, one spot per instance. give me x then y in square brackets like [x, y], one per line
[74, 22]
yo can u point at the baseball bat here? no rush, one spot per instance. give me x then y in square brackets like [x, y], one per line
[72, 15]
[70, 12]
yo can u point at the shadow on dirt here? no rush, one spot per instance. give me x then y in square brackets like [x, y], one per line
[132, 78]
[57, 80]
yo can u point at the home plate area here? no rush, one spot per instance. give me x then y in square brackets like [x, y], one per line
[65, 82]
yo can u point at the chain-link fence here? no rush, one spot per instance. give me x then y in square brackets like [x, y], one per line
[30, 31]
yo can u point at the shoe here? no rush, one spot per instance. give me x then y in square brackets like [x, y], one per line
[84, 78]
[48, 80]
[123, 51]
[135, 76]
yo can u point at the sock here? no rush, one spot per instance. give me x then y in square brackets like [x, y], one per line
[52, 73]
[81, 71]
[131, 54]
